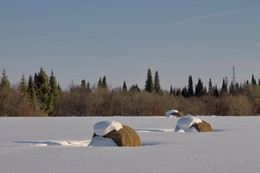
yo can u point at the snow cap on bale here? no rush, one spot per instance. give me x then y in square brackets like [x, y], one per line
[104, 127]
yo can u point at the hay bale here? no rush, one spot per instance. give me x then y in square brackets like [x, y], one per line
[202, 127]
[192, 124]
[126, 137]
[172, 112]
[179, 114]
[120, 135]
[184, 124]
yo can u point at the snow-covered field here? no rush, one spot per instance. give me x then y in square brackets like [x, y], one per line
[59, 145]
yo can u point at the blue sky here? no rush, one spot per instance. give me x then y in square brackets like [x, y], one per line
[84, 39]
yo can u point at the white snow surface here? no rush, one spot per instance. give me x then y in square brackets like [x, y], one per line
[169, 113]
[184, 124]
[37, 145]
[104, 127]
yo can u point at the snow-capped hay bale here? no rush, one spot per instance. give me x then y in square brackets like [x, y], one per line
[172, 112]
[126, 137]
[203, 126]
[120, 135]
[192, 124]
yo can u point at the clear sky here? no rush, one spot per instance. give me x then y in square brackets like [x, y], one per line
[87, 39]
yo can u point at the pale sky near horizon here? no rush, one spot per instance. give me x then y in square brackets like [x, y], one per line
[87, 39]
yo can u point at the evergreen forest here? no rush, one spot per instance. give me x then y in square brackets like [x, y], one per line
[41, 95]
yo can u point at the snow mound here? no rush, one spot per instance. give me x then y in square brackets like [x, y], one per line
[104, 127]
[99, 141]
[184, 124]
[170, 113]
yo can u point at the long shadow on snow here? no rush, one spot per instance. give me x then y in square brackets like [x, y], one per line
[37, 143]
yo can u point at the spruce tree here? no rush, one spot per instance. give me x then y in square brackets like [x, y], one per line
[53, 94]
[199, 90]
[253, 81]
[232, 89]
[124, 87]
[100, 83]
[210, 86]
[23, 87]
[88, 87]
[149, 86]
[157, 85]
[185, 92]
[5, 94]
[83, 84]
[178, 92]
[5, 84]
[215, 91]
[171, 90]
[41, 81]
[104, 82]
[190, 87]
[224, 88]
[31, 88]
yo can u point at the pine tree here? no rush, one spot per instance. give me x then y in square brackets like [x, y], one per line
[157, 86]
[171, 90]
[178, 92]
[253, 81]
[100, 83]
[23, 87]
[149, 86]
[199, 90]
[53, 94]
[83, 84]
[88, 87]
[210, 86]
[190, 87]
[215, 91]
[185, 92]
[5, 94]
[31, 88]
[41, 81]
[124, 87]
[232, 89]
[5, 84]
[224, 88]
[104, 82]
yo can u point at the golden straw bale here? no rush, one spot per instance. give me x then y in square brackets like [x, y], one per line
[179, 114]
[203, 126]
[126, 137]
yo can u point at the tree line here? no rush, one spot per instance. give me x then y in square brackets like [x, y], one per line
[41, 95]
